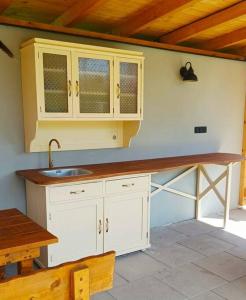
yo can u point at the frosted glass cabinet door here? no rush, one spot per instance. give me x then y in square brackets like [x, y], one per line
[94, 75]
[129, 88]
[56, 84]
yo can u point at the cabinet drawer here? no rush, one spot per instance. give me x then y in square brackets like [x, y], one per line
[76, 191]
[127, 185]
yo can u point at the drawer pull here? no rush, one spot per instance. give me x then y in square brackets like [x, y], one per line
[77, 192]
[107, 225]
[100, 227]
[128, 185]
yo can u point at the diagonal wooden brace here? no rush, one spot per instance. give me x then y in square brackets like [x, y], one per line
[165, 187]
[212, 185]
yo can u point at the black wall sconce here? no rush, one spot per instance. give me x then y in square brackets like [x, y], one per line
[187, 73]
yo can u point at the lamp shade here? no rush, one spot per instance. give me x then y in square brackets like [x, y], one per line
[187, 73]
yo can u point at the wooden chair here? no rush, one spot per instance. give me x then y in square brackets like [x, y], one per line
[70, 281]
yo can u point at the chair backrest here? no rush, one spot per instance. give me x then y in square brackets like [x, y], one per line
[70, 281]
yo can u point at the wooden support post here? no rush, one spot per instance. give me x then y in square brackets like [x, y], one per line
[198, 203]
[25, 266]
[227, 194]
[2, 272]
[80, 284]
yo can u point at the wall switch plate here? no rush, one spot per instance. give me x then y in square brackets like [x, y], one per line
[200, 129]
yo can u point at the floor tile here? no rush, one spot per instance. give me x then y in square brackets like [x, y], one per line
[235, 290]
[174, 255]
[190, 279]
[11, 270]
[208, 296]
[119, 281]
[164, 236]
[148, 288]
[206, 244]
[229, 237]
[238, 214]
[238, 252]
[102, 296]
[192, 227]
[137, 265]
[225, 265]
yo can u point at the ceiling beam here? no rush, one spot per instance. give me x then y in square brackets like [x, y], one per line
[120, 39]
[224, 40]
[4, 4]
[76, 13]
[196, 27]
[146, 15]
[240, 51]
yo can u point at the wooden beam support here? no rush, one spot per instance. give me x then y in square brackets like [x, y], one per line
[239, 51]
[4, 4]
[110, 37]
[80, 10]
[196, 27]
[223, 40]
[143, 17]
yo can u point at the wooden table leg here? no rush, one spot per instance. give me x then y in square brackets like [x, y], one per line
[227, 194]
[25, 266]
[2, 272]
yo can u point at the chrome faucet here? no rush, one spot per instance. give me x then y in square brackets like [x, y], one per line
[59, 147]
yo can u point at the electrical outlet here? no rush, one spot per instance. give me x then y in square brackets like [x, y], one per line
[200, 129]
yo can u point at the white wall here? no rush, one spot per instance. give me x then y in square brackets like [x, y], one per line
[171, 110]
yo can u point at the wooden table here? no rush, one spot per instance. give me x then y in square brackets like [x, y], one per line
[21, 240]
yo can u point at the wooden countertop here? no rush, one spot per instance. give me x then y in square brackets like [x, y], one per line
[132, 167]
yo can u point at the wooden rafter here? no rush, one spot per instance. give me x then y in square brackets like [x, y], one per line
[148, 14]
[240, 51]
[224, 40]
[110, 37]
[77, 12]
[215, 19]
[4, 4]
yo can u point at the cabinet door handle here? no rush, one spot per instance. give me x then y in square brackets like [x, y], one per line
[100, 227]
[118, 90]
[107, 225]
[77, 88]
[69, 88]
[77, 192]
[128, 185]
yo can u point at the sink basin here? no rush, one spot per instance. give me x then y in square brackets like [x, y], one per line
[69, 172]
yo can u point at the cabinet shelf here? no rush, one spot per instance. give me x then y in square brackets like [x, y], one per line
[94, 93]
[105, 74]
[54, 70]
[55, 92]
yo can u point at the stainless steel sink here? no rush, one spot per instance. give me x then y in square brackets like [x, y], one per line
[69, 172]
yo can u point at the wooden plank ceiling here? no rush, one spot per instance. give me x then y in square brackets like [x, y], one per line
[209, 27]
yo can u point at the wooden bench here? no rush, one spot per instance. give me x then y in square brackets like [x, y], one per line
[70, 281]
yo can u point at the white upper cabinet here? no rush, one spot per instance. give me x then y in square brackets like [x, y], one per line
[88, 97]
[75, 81]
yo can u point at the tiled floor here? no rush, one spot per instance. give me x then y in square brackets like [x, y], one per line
[188, 260]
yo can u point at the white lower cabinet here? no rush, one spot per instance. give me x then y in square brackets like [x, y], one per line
[78, 225]
[126, 222]
[92, 217]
